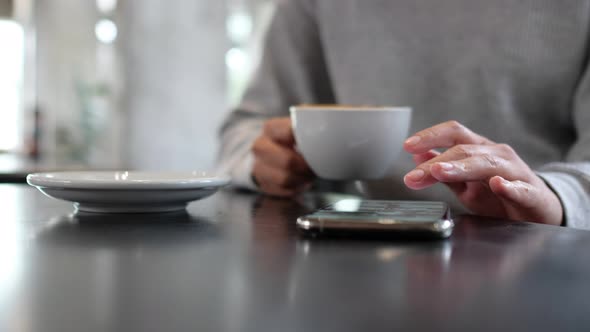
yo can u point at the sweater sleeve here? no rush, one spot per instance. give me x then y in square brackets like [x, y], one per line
[570, 179]
[292, 71]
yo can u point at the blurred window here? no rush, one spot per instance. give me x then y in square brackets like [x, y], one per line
[11, 78]
[246, 25]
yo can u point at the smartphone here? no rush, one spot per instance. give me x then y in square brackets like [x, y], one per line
[398, 218]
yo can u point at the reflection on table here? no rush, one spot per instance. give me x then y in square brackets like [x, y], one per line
[235, 262]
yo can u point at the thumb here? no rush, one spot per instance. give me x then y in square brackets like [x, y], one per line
[518, 193]
[524, 201]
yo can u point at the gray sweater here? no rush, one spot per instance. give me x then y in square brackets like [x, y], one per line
[514, 71]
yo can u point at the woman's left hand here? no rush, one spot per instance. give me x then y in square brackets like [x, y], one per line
[487, 177]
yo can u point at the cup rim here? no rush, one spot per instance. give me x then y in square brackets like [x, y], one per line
[349, 108]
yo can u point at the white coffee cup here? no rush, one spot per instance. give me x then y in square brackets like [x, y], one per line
[350, 142]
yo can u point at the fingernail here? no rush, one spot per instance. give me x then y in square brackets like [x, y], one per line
[413, 140]
[416, 175]
[446, 166]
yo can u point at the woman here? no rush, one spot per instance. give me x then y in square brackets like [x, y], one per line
[477, 74]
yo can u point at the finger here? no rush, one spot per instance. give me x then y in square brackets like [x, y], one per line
[280, 156]
[476, 168]
[269, 176]
[280, 131]
[485, 161]
[420, 159]
[444, 135]
[417, 180]
[424, 157]
[420, 177]
[464, 163]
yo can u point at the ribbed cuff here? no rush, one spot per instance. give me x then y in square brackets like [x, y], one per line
[241, 173]
[572, 196]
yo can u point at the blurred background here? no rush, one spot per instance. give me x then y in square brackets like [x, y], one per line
[122, 84]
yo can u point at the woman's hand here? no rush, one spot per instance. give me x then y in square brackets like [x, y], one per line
[279, 170]
[487, 177]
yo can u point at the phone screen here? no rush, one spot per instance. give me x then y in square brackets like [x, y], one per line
[370, 210]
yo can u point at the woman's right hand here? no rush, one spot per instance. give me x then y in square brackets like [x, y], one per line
[279, 170]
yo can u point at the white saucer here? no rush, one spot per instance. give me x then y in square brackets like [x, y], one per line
[128, 192]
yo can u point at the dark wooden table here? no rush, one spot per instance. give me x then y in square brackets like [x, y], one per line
[235, 262]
